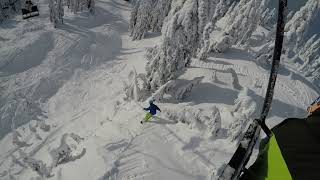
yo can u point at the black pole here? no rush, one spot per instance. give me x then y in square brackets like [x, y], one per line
[275, 65]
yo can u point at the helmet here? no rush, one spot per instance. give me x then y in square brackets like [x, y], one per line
[151, 100]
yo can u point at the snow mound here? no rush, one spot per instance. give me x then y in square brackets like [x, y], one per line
[69, 149]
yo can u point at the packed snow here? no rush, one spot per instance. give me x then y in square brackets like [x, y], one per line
[72, 97]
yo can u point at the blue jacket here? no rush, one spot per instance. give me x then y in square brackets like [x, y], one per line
[152, 108]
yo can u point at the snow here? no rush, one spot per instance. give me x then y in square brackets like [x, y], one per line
[71, 102]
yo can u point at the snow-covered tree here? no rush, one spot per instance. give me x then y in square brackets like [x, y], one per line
[9, 7]
[140, 19]
[159, 12]
[296, 29]
[91, 6]
[2, 14]
[309, 52]
[69, 149]
[209, 13]
[74, 5]
[214, 125]
[183, 91]
[137, 88]
[298, 45]
[38, 166]
[56, 11]
[78, 5]
[148, 15]
[180, 37]
[185, 31]
[268, 18]
[244, 109]
[240, 24]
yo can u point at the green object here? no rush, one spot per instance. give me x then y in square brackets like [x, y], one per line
[270, 164]
[277, 167]
[147, 117]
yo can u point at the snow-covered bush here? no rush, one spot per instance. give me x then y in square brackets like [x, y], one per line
[183, 91]
[207, 121]
[137, 89]
[33, 126]
[264, 55]
[43, 126]
[214, 77]
[214, 123]
[243, 111]
[16, 140]
[244, 105]
[68, 150]
[40, 167]
[176, 90]
[164, 89]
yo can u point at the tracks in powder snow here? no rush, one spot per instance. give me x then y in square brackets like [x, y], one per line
[130, 162]
[295, 88]
[148, 155]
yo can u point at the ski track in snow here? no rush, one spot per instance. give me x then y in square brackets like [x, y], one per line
[138, 161]
[283, 86]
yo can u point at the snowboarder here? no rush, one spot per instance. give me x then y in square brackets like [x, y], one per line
[152, 111]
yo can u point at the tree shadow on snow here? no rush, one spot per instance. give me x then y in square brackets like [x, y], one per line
[211, 93]
[9, 24]
[115, 4]
[151, 35]
[192, 145]
[295, 76]
[159, 120]
[203, 93]
[279, 108]
[217, 61]
[234, 54]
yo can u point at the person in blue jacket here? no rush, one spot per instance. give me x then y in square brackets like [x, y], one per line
[152, 110]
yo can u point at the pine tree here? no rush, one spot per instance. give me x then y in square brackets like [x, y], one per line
[56, 12]
[186, 33]
[178, 44]
[140, 19]
[91, 6]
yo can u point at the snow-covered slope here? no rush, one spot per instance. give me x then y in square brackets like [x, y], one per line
[65, 114]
